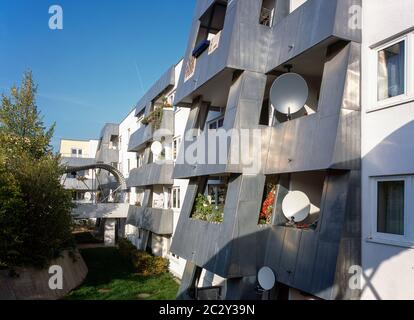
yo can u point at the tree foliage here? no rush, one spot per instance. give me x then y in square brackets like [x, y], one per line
[19, 117]
[35, 220]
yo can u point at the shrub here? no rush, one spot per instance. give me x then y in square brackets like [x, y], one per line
[145, 264]
[205, 211]
[126, 248]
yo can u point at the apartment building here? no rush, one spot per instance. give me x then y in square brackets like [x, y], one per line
[78, 153]
[155, 197]
[233, 220]
[217, 207]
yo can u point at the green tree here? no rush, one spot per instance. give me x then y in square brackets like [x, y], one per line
[35, 219]
[19, 116]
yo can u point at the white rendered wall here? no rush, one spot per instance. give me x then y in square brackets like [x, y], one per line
[387, 149]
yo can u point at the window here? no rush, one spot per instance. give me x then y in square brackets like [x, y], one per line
[140, 160]
[393, 208]
[140, 117]
[210, 202]
[175, 147]
[267, 12]
[76, 153]
[129, 165]
[390, 207]
[216, 124]
[391, 71]
[211, 24]
[114, 142]
[176, 198]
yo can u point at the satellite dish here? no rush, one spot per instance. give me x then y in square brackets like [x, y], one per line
[296, 206]
[156, 148]
[289, 93]
[88, 196]
[266, 278]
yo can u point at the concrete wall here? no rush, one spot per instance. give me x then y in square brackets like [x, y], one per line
[33, 284]
[387, 149]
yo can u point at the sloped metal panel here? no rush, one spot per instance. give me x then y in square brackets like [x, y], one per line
[147, 133]
[77, 162]
[158, 221]
[104, 210]
[310, 24]
[104, 153]
[140, 138]
[152, 174]
[165, 83]
[75, 184]
[224, 252]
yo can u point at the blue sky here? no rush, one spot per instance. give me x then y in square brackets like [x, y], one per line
[95, 69]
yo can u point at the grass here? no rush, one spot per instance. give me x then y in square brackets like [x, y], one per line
[112, 277]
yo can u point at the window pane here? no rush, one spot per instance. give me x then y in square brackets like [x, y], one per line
[391, 207]
[391, 71]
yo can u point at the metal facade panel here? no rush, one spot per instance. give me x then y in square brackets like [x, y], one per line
[152, 174]
[305, 27]
[289, 255]
[165, 83]
[158, 221]
[305, 261]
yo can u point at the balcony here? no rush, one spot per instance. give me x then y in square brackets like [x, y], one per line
[108, 146]
[152, 131]
[159, 173]
[104, 210]
[158, 221]
[69, 161]
[313, 22]
[140, 138]
[78, 184]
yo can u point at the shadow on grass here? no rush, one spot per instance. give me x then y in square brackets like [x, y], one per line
[112, 277]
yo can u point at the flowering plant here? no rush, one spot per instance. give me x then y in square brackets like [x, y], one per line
[267, 208]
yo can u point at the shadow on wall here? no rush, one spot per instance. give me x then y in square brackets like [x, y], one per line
[260, 247]
[383, 264]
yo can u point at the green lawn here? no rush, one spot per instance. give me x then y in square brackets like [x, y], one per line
[112, 277]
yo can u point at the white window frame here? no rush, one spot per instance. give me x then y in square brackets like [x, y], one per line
[177, 190]
[78, 152]
[408, 94]
[174, 150]
[216, 120]
[408, 237]
[140, 160]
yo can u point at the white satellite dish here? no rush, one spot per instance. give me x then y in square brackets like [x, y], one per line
[289, 93]
[296, 206]
[88, 196]
[266, 278]
[156, 148]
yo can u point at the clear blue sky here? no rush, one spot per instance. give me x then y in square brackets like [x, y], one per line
[95, 69]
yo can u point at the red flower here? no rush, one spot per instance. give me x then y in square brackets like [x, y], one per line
[267, 208]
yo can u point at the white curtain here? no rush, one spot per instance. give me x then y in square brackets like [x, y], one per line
[391, 71]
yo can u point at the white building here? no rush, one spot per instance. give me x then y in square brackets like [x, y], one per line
[388, 149]
[155, 199]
